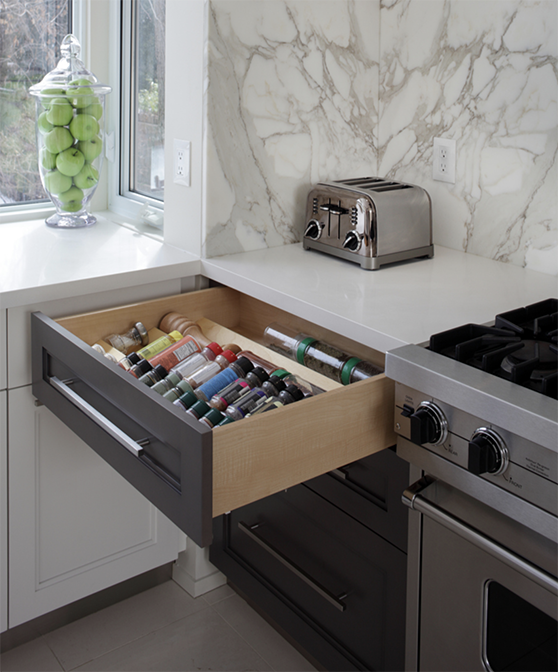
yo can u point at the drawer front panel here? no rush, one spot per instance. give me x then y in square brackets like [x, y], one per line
[173, 470]
[370, 491]
[345, 580]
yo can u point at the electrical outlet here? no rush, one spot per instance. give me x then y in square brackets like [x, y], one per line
[443, 163]
[181, 162]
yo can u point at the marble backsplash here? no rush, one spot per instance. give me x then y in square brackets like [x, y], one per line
[484, 74]
[292, 99]
[305, 90]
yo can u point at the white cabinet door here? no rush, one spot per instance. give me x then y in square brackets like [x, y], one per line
[3, 514]
[75, 525]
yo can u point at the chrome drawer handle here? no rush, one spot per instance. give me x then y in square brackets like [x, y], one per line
[413, 498]
[92, 413]
[324, 592]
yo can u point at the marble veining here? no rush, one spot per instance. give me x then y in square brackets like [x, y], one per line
[482, 72]
[291, 100]
[300, 91]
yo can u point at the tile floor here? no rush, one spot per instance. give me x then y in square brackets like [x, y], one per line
[162, 629]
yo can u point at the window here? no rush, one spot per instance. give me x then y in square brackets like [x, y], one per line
[143, 100]
[30, 35]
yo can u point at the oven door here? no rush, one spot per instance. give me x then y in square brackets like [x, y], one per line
[488, 589]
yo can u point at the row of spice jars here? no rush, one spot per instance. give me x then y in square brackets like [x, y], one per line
[212, 383]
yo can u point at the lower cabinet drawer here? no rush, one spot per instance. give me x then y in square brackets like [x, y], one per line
[332, 584]
[370, 491]
[189, 472]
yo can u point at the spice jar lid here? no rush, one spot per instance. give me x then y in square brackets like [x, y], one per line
[142, 331]
[245, 364]
[70, 77]
[347, 369]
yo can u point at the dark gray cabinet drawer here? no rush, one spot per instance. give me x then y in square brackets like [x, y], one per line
[187, 471]
[336, 587]
[370, 491]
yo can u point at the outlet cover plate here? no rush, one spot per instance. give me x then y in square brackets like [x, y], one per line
[443, 161]
[181, 149]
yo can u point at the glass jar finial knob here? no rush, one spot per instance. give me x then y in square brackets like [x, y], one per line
[70, 47]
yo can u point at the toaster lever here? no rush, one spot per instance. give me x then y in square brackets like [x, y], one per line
[334, 209]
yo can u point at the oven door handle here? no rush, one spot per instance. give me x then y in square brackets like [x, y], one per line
[413, 498]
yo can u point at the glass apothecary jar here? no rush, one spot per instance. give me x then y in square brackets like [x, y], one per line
[70, 105]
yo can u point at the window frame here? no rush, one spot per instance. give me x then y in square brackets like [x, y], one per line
[121, 199]
[117, 66]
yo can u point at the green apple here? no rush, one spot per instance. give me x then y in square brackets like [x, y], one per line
[90, 148]
[80, 93]
[60, 113]
[58, 139]
[56, 182]
[95, 110]
[70, 161]
[71, 200]
[43, 124]
[84, 127]
[47, 96]
[48, 159]
[87, 177]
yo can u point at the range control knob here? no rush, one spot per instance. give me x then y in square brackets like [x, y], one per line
[353, 241]
[488, 454]
[428, 424]
[313, 229]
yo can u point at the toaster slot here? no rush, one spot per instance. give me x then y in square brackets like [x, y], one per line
[391, 186]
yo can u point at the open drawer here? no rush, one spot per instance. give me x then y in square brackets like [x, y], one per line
[190, 472]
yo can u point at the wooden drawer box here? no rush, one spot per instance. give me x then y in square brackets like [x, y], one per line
[189, 472]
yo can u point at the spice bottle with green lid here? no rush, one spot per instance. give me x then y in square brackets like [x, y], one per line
[307, 350]
[212, 418]
[199, 409]
[356, 369]
[176, 392]
[186, 400]
[317, 355]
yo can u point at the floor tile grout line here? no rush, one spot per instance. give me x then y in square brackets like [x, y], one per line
[244, 639]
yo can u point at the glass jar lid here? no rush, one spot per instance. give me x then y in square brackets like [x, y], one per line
[70, 76]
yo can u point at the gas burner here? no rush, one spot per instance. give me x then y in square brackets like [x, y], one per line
[539, 355]
[521, 346]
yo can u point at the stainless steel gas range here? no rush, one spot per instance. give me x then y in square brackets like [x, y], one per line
[476, 414]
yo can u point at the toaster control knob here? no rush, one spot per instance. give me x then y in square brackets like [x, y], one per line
[313, 229]
[488, 454]
[353, 241]
[428, 424]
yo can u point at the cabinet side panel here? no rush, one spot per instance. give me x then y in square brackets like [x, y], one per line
[3, 511]
[3, 350]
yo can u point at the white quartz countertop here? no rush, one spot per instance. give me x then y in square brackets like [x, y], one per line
[40, 263]
[396, 305]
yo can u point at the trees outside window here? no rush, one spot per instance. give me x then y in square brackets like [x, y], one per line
[30, 35]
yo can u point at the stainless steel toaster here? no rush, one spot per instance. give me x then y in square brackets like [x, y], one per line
[369, 220]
